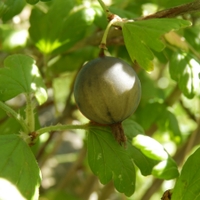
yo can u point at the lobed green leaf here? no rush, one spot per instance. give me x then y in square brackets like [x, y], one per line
[108, 160]
[21, 75]
[148, 154]
[144, 163]
[166, 168]
[188, 184]
[142, 36]
[19, 172]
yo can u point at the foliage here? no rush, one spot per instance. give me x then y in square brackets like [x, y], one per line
[43, 45]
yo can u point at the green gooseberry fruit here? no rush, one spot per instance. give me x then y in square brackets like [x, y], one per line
[107, 90]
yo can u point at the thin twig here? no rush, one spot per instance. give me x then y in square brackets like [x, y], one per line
[175, 11]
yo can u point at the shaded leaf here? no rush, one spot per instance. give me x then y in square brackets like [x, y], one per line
[32, 2]
[108, 160]
[140, 36]
[24, 178]
[21, 75]
[156, 109]
[10, 8]
[165, 120]
[57, 33]
[73, 61]
[188, 184]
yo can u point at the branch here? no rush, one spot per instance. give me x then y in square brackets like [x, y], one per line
[175, 11]
[60, 127]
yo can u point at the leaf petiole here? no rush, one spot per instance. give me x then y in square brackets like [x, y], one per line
[107, 12]
[116, 21]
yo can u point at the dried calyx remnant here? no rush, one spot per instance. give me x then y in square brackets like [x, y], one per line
[107, 91]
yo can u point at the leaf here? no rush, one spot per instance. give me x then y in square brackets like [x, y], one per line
[10, 8]
[166, 168]
[188, 184]
[75, 28]
[46, 28]
[108, 160]
[144, 163]
[176, 40]
[21, 75]
[8, 125]
[140, 36]
[165, 120]
[32, 2]
[18, 168]
[156, 109]
[69, 26]
[74, 60]
[185, 69]
[150, 147]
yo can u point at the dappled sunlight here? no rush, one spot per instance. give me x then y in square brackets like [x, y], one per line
[150, 147]
[196, 73]
[18, 38]
[9, 191]
[35, 71]
[89, 14]
[163, 82]
[47, 46]
[149, 8]
[161, 165]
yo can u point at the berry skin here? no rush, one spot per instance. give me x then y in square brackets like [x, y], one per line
[107, 90]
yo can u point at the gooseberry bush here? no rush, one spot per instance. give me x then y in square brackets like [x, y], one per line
[99, 99]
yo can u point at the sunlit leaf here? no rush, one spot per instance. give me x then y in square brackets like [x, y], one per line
[21, 75]
[150, 147]
[144, 163]
[108, 160]
[185, 69]
[18, 169]
[142, 36]
[166, 168]
[188, 183]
